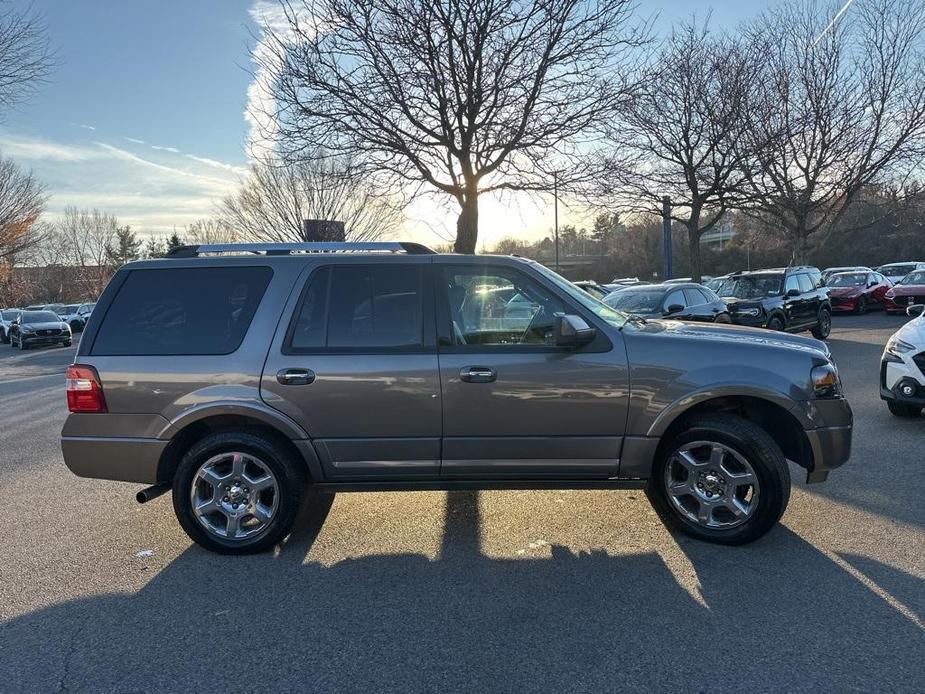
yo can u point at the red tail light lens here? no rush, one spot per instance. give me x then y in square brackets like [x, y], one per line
[84, 391]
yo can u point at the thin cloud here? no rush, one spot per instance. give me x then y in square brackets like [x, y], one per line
[216, 164]
[135, 140]
[32, 149]
[128, 156]
[174, 150]
[84, 126]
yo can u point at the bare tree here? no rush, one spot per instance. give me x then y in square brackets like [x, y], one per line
[22, 201]
[842, 105]
[211, 231]
[684, 130]
[25, 59]
[458, 97]
[275, 198]
[87, 236]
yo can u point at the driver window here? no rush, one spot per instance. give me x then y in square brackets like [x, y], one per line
[791, 283]
[498, 306]
[806, 284]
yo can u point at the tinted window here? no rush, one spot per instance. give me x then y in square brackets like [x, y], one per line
[675, 298]
[182, 311]
[40, 317]
[497, 306]
[10, 315]
[917, 277]
[849, 279]
[806, 284]
[359, 307]
[751, 287]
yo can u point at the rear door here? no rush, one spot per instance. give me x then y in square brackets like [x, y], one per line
[354, 362]
[515, 405]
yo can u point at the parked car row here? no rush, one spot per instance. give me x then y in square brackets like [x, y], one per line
[19, 326]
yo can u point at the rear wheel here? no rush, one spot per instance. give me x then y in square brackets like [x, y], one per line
[238, 492]
[901, 409]
[823, 324]
[722, 479]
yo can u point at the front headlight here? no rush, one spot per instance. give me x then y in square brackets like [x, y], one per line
[898, 348]
[25, 331]
[826, 383]
[890, 294]
[749, 312]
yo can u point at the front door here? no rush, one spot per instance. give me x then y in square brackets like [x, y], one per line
[514, 404]
[355, 363]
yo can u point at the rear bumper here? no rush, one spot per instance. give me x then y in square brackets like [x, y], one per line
[121, 459]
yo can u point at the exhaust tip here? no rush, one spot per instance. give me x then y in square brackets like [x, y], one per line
[152, 492]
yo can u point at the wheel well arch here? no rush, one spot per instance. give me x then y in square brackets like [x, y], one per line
[198, 429]
[785, 429]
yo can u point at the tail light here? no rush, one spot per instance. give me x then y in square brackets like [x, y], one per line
[84, 390]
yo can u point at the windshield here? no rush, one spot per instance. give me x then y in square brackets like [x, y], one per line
[917, 277]
[752, 287]
[601, 310]
[636, 301]
[853, 280]
[10, 315]
[40, 317]
[64, 310]
[896, 270]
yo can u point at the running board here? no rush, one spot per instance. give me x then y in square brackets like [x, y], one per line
[474, 485]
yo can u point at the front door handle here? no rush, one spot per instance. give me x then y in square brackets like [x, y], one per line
[295, 377]
[478, 374]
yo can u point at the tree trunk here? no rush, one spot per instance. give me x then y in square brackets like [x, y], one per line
[693, 242]
[467, 224]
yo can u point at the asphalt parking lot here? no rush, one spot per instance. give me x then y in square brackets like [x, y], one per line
[483, 592]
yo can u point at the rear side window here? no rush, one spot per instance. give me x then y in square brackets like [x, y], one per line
[182, 311]
[694, 297]
[355, 308]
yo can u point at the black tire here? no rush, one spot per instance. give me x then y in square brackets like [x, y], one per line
[861, 307]
[289, 472]
[823, 324]
[901, 409]
[76, 326]
[776, 323]
[4, 337]
[66, 343]
[723, 319]
[757, 447]
[22, 345]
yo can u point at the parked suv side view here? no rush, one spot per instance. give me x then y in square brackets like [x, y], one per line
[238, 376]
[791, 299]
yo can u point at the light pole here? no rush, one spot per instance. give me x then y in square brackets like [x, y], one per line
[555, 207]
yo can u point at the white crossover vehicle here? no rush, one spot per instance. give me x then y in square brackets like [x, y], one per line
[902, 368]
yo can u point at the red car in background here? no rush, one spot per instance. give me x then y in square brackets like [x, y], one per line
[909, 290]
[857, 291]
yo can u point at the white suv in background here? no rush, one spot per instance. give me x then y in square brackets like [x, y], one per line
[7, 316]
[76, 315]
[902, 368]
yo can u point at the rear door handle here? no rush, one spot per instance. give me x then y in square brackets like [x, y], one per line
[295, 377]
[478, 374]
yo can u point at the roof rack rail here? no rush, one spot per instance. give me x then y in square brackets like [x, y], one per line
[197, 250]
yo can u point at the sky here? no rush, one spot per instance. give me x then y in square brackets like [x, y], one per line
[144, 116]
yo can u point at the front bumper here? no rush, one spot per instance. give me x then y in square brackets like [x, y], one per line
[894, 374]
[828, 424]
[44, 339]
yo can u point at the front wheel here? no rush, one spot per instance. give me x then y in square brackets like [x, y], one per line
[901, 409]
[823, 325]
[861, 307]
[776, 324]
[723, 318]
[721, 479]
[238, 492]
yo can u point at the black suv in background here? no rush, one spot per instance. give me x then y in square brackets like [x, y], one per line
[792, 299]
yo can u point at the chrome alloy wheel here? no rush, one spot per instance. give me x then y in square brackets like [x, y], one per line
[234, 495]
[712, 485]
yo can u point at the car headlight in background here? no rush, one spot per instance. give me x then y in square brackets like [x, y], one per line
[897, 348]
[748, 311]
[25, 331]
[890, 294]
[826, 383]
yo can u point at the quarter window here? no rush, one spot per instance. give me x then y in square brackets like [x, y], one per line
[182, 311]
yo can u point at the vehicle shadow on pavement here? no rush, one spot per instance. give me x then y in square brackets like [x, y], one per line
[468, 622]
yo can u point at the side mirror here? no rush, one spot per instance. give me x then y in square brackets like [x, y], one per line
[572, 331]
[674, 308]
[915, 310]
[792, 292]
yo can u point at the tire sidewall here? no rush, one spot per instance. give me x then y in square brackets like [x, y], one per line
[776, 323]
[290, 479]
[819, 333]
[770, 468]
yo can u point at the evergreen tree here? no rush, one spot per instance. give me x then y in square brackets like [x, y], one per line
[127, 247]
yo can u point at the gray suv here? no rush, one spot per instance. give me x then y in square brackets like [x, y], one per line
[238, 376]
